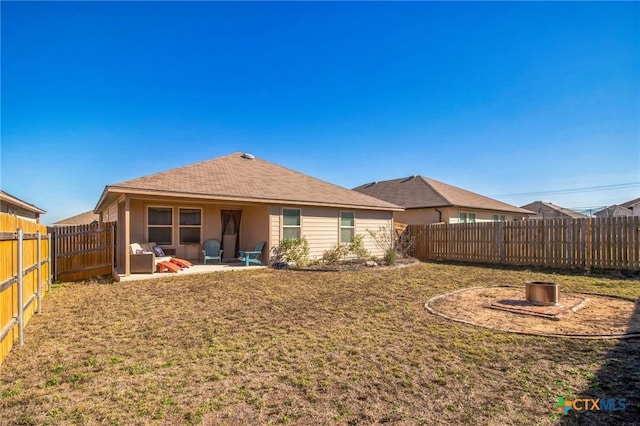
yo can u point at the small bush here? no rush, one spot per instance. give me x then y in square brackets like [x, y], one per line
[390, 256]
[295, 250]
[335, 254]
[356, 246]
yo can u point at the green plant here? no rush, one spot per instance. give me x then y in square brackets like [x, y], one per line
[335, 254]
[295, 250]
[356, 246]
[390, 256]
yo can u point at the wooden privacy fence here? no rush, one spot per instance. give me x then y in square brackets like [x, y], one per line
[24, 276]
[600, 243]
[83, 251]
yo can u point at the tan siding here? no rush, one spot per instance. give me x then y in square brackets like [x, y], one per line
[417, 216]
[372, 221]
[320, 228]
[274, 226]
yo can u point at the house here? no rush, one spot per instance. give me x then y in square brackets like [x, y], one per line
[428, 201]
[86, 218]
[241, 201]
[14, 205]
[633, 205]
[614, 211]
[546, 210]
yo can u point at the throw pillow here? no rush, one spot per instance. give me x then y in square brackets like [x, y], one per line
[158, 251]
[140, 251]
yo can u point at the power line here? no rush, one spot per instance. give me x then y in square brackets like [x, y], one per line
[573, 190]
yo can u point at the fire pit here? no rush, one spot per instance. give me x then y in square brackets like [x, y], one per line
[541, 293]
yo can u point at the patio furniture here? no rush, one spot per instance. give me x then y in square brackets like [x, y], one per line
[143, 260]
[168, 267]
[212, 251]
[252, 256]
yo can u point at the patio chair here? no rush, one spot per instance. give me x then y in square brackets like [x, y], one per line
[253, 255]
[212, 251]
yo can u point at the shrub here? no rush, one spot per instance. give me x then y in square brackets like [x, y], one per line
[356, 246]
[295, 250]
[390, 256]
[335, 254]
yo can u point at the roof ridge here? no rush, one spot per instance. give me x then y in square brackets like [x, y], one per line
[425, 180]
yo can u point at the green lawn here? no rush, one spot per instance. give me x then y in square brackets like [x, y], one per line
[305, 348]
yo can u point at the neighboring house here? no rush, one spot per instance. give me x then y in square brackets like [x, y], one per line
[86, 218]
[428, 201]
[241, 201]
[545, 210]
[614, 211]
[633, 205]
[13, 205]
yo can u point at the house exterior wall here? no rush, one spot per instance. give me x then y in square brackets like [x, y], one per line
[320, 226]
[19, 211]
[447, 215]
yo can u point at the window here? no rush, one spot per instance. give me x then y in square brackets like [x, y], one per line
[498, 218]
[160, 225]
[290, 223]
[190, 224]
[347, 226]
[467, 217]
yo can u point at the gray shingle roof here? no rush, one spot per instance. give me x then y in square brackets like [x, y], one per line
[234, 177]
[423, 192]
[548, 210]
[85, 218]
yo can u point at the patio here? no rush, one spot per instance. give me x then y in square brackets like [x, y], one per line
[197, 268]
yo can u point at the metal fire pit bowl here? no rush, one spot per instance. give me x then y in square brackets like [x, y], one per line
[541, 293]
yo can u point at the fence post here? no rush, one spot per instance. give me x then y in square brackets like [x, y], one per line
[50, 263]
[39, 257]
[55, 254]
[20, 287]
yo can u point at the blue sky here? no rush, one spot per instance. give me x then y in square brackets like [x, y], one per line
[497, 98]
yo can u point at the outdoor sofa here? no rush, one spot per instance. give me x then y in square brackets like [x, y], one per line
[143, 257]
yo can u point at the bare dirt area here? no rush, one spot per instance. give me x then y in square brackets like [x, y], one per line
[597, 316]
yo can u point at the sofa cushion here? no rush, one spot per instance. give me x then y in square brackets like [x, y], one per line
[134, 248]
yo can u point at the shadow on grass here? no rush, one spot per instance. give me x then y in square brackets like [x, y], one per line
[575, 272]
[619, 377]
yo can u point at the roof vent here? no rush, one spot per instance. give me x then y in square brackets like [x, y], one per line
[248, 156]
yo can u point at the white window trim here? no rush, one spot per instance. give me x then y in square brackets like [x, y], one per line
[146, 219]
[189, 226]
[346, 227]
[283, 226]
[475, 216]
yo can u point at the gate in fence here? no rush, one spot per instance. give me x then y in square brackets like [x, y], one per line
[24, 276]
[83, 251]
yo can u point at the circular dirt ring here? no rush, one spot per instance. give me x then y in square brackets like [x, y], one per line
[598, 317]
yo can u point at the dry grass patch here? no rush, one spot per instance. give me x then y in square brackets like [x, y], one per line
[301, 347]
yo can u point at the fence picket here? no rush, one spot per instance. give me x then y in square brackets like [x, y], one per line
[601, 243]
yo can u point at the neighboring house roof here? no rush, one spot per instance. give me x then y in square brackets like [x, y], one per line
[631, 204]
[6, 198]
[85, 218]
[235, 177]
[549, 210]
[422, 192]
[614, 211]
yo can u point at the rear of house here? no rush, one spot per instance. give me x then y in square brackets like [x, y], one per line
[241, 201]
